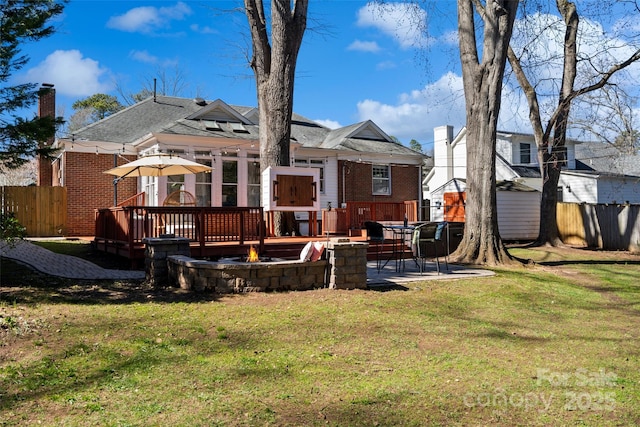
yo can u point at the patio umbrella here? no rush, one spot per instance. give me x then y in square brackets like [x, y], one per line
[154, 165]
[158, 165]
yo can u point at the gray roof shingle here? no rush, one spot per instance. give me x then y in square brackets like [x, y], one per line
[182, 116]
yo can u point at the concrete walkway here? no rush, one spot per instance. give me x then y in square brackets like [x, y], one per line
[66, 266]
[388, 276]
[71, 267]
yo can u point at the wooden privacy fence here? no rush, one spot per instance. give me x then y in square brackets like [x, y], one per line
[611, 227]
[42, 210]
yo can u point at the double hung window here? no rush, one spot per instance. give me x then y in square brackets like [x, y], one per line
[381, 179]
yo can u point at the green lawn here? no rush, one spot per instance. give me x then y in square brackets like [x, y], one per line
[552, 344]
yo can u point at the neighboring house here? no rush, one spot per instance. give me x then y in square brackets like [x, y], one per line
[518, 207]
[359, 162]
[603, 174]
[517, 163]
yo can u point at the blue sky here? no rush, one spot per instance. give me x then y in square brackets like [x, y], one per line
[357, 62]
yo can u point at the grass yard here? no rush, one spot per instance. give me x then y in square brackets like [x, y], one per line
[556, 343]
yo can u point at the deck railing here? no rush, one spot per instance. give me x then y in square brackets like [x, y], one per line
[129, 225]
[359, 212]
[135, 200]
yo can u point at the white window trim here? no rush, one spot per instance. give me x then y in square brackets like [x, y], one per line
[379, 193]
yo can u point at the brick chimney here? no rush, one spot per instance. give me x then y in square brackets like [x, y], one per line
[46, 108]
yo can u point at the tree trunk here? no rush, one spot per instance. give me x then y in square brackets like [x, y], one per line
[274, 65]
[481, 243]
[548, 233]
[552, 151]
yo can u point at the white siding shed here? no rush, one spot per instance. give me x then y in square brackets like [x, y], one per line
[518, 208]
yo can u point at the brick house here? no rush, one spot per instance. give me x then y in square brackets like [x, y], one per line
[359, 162]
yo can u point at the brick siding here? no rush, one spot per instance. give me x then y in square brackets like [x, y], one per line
[46, 108]
[88, 188]
[358, 179]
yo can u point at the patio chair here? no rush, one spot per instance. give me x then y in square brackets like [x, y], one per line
[179, 198]
[425, 235]
[177, 223]
[375, 235]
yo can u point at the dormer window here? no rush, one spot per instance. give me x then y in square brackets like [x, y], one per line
[211, 125]
[525, 153]
[238, 127]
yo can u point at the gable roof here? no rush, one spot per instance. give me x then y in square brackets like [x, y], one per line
[364, 136]
[138, 120]
[197, 117]
[218, 110]
[603, 157]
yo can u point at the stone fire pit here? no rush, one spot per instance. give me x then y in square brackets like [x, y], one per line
[344, 268]
[234, 275]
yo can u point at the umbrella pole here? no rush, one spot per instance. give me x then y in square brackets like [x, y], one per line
[115, 182]
[115, 192]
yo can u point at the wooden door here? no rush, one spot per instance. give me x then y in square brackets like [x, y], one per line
[454, 206]
[294, 190]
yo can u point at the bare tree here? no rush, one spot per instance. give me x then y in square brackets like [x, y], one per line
[25, 175]
[551, 137]
[80, 118]
[482, 80]
[275, 50]
[165, 82]
[609, 117]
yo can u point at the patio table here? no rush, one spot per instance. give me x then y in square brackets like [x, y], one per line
[400, 234]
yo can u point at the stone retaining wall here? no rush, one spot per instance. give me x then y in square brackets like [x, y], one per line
[347, 264]
[168, 262]
[228, 276]
[157, 250]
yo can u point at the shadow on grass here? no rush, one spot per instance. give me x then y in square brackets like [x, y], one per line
[21, 284]
[386, 287]
[85, 250]
[53, 375]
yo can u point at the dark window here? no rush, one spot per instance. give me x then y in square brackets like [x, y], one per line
[525, 153]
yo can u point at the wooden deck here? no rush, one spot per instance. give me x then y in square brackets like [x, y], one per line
[213, 232]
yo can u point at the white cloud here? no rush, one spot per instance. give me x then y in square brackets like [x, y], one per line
[146, 58]
[542, 59]
[71, 74]
[147, 19]
[203, 30]
[514, 112]
[386, 65]
[143, 56]
[362, 46]
[404, 22]
[331, 124]
[418, 112]
[449, 38]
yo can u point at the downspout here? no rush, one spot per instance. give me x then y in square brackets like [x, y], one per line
[420, 195]
[449, 153]
[344, 196]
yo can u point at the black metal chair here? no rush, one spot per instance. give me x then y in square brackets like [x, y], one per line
[375, 235]
[424, 235]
